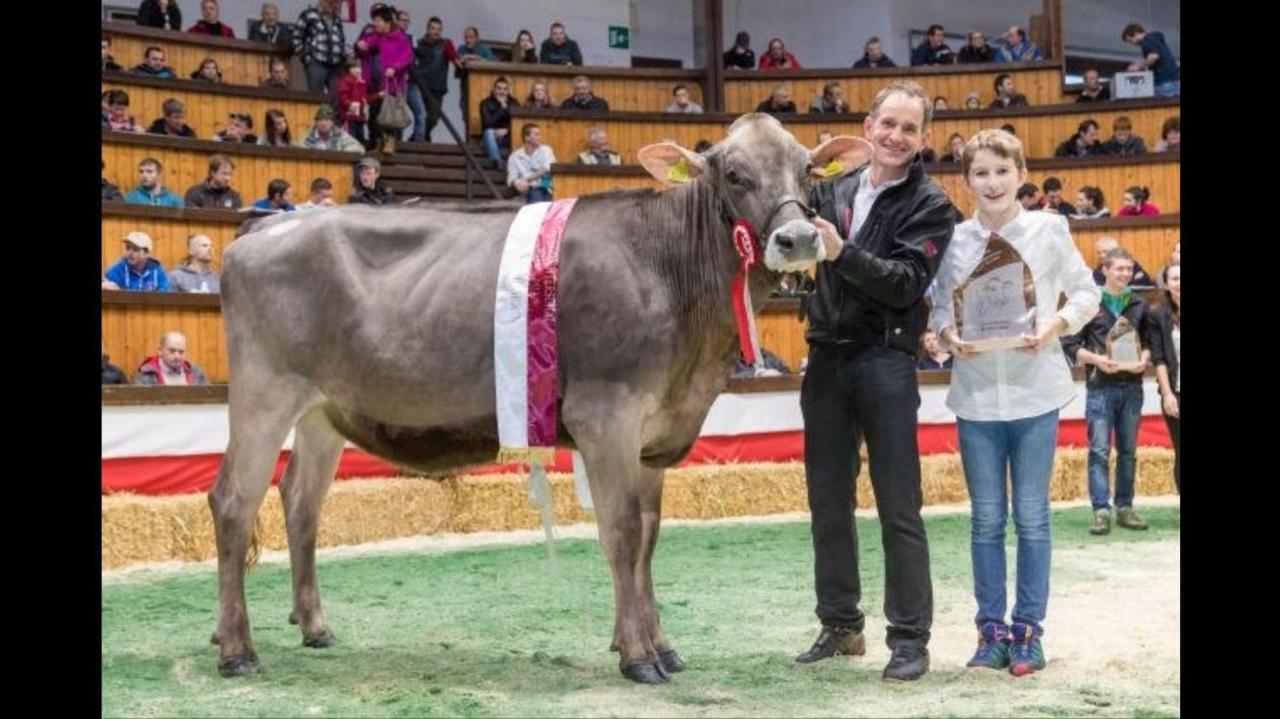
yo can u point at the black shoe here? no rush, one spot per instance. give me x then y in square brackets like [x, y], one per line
[909, 661]
[831, 642]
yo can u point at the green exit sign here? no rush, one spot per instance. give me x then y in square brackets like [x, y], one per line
[619, 37]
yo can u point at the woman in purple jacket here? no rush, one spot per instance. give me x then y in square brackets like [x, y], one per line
[386, 54]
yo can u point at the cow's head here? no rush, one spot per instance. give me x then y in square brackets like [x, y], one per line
[762, 174]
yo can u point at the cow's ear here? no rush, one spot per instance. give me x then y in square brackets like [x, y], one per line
[671, 164]
[840, 154]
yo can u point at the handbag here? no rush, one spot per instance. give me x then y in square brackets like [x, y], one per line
[395, 113]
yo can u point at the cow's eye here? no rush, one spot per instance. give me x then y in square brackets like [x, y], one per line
[733, 178]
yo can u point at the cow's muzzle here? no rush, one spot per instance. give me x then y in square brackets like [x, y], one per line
[793, 247]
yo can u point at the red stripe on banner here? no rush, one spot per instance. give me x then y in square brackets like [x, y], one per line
[195, 473]
[542, 363]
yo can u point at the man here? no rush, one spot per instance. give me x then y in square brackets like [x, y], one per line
[1093, 90]
[740, 55]
[1113, 395]
[1018, 48]
[370, 189]
[326, 135]
[873, 55]
[208, 24]
[1123, 141]
[137, 270]
[1029, 196]
[559, 49]
[831, 102]
[681, 103]
[1053, 201]
[277, 199]
[169, 366]
[778, 102]
[239, 129]
[269, 30]
[1139, 278]
[1006, 95]
[529, 167]
[215, 193]
[277, 74]
[933, 51]
[583, 98]
[151, 190]
[598, 152]
[472, 49]
[321, 194]
[1082, 144]
[1157, 57]
[432, 58]
[318, 41]
[885, 229]
[153, 65]
[196, 274]
[976, 50]
[174, 122]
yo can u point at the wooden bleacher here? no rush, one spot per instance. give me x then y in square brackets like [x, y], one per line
[242, 62]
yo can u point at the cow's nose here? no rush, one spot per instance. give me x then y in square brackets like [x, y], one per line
[785, 241]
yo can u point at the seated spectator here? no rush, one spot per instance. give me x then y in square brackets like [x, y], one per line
[215, 193]
[955, 145]
[174, 122]
[529, 167]
[1009, 129]
[976, 50]
[1170, 136]
[1053, 201]
[1028, 196]
[1135, 203]
[109, 63]
[162, 14]
[1104, 245]
[524, 49]
[779, 102]
[370, 189]
[770, 365]
[1123, 141]
[278, 199]
[940, 103]
[702, 146]
[1094, 90]
[277, 74]
[472, 50]
[137, 270]
[778, 58]
[681, 103]
[321, 194]
[110, 192]
[741, 55]
[208, 71]
[269, 30]
[831, 102]
[151, 190]
[118, 117]
[559, 49]
[196, 273]
[238, 129]
[928, 154]
[353, 100]
[1006, 94]
[873, 55]
[933, 356]
[1175, 258]
[973, 101]
[208, 24]
[1082, 144]
[934, 50]
[598, 152]
[1018, 48]
[495, 119]
[1156, 57]
[1091, 204]
[538, 96]
[112, 374]
[169, 366]
[583, 99]
[275, 130]
[153, 65]
[325, 135]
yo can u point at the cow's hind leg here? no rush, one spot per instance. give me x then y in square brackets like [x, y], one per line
[649, 493]
[317, 448]
[261, 415]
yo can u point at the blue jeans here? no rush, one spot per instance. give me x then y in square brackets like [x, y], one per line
[491, 146]
[990, 451]
[419, 109]
[537, 194]
[1169, 89]
[1107, 408]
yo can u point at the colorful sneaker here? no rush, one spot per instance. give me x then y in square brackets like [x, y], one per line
[1025, 653]
[993, 647]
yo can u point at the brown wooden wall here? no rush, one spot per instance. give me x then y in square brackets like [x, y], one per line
[131, 333]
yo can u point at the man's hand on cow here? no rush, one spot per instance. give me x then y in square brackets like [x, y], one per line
[830, 237]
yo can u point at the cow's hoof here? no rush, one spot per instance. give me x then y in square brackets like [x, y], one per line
[239, 666]
[644, 673]
[322, 641]
[214, 640]
[670, 661]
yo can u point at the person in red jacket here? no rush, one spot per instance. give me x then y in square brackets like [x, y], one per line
[170, 365]
[778, 58]
[208, 24]
[353, 100]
